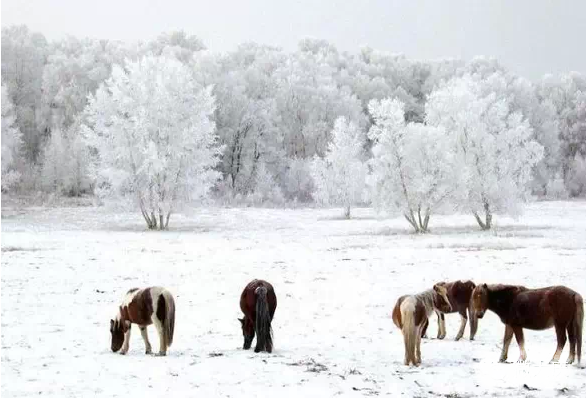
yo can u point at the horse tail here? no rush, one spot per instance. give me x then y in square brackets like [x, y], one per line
[166, 313]
[264, 339]
[578, 325]
[409, 330]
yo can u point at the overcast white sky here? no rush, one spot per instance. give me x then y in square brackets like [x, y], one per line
[530, 37]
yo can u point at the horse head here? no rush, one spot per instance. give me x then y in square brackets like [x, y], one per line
[480, 300]
[441, 298]
[117, 329]
[247, 332]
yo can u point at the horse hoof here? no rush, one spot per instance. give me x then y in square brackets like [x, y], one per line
[457, 338]
[502, 360]
[161, 354]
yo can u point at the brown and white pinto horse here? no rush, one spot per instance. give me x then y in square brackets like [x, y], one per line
[258, 302]
[410, 314]
[152, 305]
[537, 309]
[459, 294]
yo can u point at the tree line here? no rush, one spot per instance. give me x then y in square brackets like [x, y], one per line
[169, 120]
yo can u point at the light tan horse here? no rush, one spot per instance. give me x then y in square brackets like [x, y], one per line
[411, 313]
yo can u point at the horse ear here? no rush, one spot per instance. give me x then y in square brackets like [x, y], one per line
[111, 323]
[241, 320]
[436, 288]
[484, 285]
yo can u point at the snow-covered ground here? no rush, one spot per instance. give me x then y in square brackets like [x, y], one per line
[65, 270]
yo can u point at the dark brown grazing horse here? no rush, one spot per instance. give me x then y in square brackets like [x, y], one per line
[258, 302]
[459, 294]
[411, 312]
[537, 309]
[152, 305]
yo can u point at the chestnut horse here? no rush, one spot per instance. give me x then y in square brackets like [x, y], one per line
[258, 302]
[459, 294]
[537, 309]
[410, 314]
[152, 305]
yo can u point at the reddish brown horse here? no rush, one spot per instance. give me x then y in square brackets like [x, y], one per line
[459, 294]
[410, 314]
[537, 309]
[258, 302]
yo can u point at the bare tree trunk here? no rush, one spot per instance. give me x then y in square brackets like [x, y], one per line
[488, 216]
[423, 222]
[146, 216]
[347, 212]
[487, 223]
[167, 221]
[161, 222]
[411, 219]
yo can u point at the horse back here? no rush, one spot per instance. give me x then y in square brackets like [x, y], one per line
[248, 298]
[420, 313]
[459, 294]
[138, 306]
[541, 308]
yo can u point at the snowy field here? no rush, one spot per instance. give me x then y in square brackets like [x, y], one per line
[65, 270]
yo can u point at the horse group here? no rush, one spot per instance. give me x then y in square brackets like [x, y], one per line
[156, 306]
[518, 307]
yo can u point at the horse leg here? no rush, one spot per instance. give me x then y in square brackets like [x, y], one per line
[424, 328]
[441, 322]
[506, 342]
[162, 343]
[573, 342]
[407, 349]
[418, 350]
[521, 342]
[126, 343]
[145, 337]
[473, 322]
[463, 320]
[560, 331]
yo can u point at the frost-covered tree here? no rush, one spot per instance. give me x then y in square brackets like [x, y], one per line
[412, 164]
[339, 177]
[23, 59]
[495, 148]
[55, 170]
[65, 167]
[11, 142]
[151, 126]
[567, 94]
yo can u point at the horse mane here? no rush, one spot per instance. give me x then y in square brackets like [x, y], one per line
[506, 288]
[427, 298]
